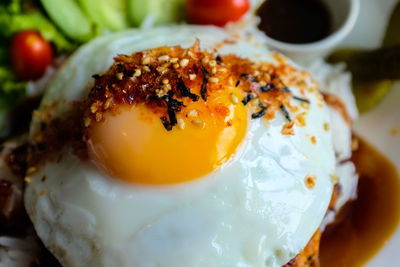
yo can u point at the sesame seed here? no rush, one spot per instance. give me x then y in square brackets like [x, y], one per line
[213, 80]
[192, 76]
[256, 73]
[160, 69]
[31, 170]
[174, 60]
[160, 92]
[163, 58]
[234, 98]
[87, 121]
[214, 70]
[107, 103]
[137, 73]
[334, 179]
[146, 69]
[165, 81]
[192, 113]
[262, 84]
[190, 53]
[230, 80]
[181, 124]
[93, 108]
[27, 180]
[199, 123]
[184, 62]
[176, 66]
[119, 76]
[223, 69]
[98, 116]
[146, 60]
[204, 60]
[305, 105]
[213, 63]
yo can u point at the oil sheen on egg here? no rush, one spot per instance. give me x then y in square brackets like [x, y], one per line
[253, 210]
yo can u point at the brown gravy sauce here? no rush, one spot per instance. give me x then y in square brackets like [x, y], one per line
[364, 225]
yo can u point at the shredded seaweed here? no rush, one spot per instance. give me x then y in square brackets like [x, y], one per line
[267, 87]
[205, 72]
[301, 99]
[247, 99]
[218, 59]
[172, 116]
[261, 113]
[203, 90]
[166, 123]
[97, 76]
[97, 88]
[285, 112]
[185, 91]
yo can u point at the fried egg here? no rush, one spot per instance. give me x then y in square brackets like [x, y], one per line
[206, 194]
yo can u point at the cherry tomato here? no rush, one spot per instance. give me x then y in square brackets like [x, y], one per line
[30, 55]
[216, 12]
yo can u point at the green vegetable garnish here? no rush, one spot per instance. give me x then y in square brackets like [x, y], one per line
[107, 14]
[163, 11]
[69, 18]
[11, 92]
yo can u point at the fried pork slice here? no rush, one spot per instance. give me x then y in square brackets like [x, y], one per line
[309, 257]
[19, 245]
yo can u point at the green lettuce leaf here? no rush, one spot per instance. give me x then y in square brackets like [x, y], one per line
[13, 20]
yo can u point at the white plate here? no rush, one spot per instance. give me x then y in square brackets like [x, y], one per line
[376, 125]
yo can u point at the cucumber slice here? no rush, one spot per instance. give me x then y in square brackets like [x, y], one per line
[67, 15]
[107, 14]
[369, 94]
[370, 65]
[163, 11]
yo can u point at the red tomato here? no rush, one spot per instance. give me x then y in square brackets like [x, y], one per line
[30, 55]
[216, 12]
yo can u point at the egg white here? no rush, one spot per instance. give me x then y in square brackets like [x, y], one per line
[253, 211]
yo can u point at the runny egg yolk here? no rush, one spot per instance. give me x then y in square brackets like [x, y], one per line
[132, 144]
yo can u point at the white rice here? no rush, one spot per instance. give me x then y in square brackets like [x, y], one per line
[334, 80]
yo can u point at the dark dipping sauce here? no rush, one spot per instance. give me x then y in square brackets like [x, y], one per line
[363, 226]
[295, 21]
